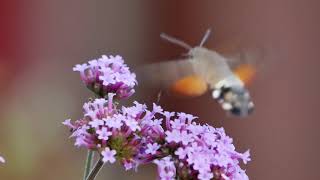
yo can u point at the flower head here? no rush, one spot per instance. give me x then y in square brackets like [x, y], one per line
[179, 146]
[137, 136]
[107, 75]
[128, 131]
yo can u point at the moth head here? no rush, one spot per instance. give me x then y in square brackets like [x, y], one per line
[234, 99]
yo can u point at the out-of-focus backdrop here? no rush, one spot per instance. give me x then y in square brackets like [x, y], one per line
[40, 41]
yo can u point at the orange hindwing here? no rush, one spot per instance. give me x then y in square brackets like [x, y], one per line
[190, 86]
[246, 73]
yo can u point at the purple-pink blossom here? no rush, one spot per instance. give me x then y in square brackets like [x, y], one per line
[166, 168]
[139, 136]
[152, 148]
[103, 133]
[108, 155]
[135, 135]
[107, 74]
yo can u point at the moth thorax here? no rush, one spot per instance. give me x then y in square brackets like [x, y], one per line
[234, 99]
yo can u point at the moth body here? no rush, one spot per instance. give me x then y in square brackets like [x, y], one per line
[201, 71]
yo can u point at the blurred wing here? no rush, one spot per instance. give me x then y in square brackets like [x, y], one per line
[177, 76]
[244, 61]
[164, 74]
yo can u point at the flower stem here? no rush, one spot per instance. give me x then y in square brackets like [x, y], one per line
[88, 164]
[94, 172]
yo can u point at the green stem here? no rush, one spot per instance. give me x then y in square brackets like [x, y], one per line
[88, 164]
[95, 170]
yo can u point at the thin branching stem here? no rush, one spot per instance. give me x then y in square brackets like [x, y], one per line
[88, 164]
[94, 172]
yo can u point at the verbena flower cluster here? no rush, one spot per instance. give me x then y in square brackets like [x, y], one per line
[107, 74]
[180, 147]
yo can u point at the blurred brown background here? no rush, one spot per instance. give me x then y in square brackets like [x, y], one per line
[40, 41]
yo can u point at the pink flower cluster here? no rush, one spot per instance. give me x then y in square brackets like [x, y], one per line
[107, 74]
[178, 145]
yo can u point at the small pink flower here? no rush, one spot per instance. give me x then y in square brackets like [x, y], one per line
[132, 124]
[108, 155]
[173, 136]
[181, 152]
[152, 148]
[95, 123]
[205, 175]
[128, 165]
[103, 133]
[68, 123]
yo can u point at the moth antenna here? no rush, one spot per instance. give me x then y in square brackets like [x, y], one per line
[205, 37]
[175, 41]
